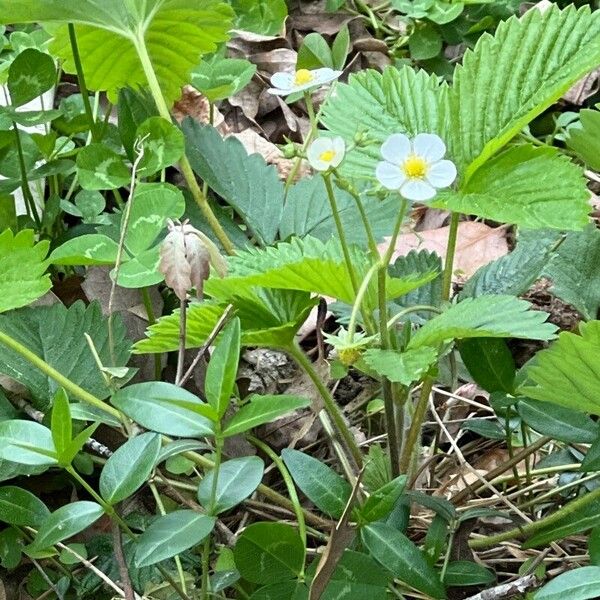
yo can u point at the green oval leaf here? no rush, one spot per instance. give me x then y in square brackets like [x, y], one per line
[402, 558]
[465, 572]
[100, 168]
[20, 507]
[153, 405]
[129, 467]
[380, 503]
[269, 552]
[322, 485]
[26, 443]
[237, 479]
[578, 584]
[66, 522]
[170, 535]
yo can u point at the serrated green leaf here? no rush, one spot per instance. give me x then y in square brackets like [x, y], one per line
[486, 316]
[170, 34]
[262, 409]
[171, 534]
[585, 140]
[265, 17]
[307, 212]
[567, 373]
[401, 367]
[44, 329]
[321, 484]
[574, 270]
[379, 104]
[247, 183]
[534, 187]
[513, 76]
[22, 266]
[219, 78]
[129, 467]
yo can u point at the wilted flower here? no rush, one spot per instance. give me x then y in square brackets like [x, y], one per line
[415, 167]
[326, 153]
[303, 79]
[186, 255]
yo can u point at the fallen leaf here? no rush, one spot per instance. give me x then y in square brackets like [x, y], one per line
[477, 245]
[193, 104]
[584, 88]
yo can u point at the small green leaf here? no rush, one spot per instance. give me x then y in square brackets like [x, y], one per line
[269, 553]
[265, 17]
[340, 48]
[170, 535]
[262, 409]
[321, 485]
[490, 363]
[61, 424]
[401, 367]
[26, 443]
[402, 558]
[314, 53]
[464, 572]
[585, 140]
[100, 168]
[129, 467]
[65, 522]
[219, 78]
[87, 249]
[381, 502]
[30, 75]
[237, 479]
[425, 42]
[591, 462]
[581, 583]
[22, 508]
[153, 405]
[222, 369]
[22, 266]
[162, 143]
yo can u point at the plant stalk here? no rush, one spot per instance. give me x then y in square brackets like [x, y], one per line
[450, 252]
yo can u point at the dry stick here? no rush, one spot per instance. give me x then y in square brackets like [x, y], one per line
[208, 343]
[517, 458]
[121, 562]
[508, 590]
[139, 150]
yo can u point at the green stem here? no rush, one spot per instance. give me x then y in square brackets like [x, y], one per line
[409, 310]
[291, 488]
[205, 587]
[530, 528]
[450, 252]
[52, 373]
[329, 403]
[340, 231]
[147, 300]
[362, 290]
[412, 439]
[184, 163]
[27, 195]
[81, 81]
[310, 107]
[384, 335]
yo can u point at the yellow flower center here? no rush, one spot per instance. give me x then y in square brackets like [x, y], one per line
[414, 167]
[303, 76]
[327, 156]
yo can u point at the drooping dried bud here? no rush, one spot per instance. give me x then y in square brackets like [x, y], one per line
[185, 258]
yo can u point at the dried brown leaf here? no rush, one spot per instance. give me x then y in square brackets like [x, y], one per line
[173, 263]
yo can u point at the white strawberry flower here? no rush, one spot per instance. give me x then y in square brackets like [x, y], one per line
[285, 83]
[326, 153]
[415, 167]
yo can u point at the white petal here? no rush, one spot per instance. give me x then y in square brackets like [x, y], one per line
[417, 190]
[320, 165]
[389, 175]
[338, 144]
[283, 80]
[278, 92]
[396, 148]
[325, 75]
[429, 146]
[441, 174]
[317, 148]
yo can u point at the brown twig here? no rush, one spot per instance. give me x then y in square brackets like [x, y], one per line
[122, 563]
[508, 590]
